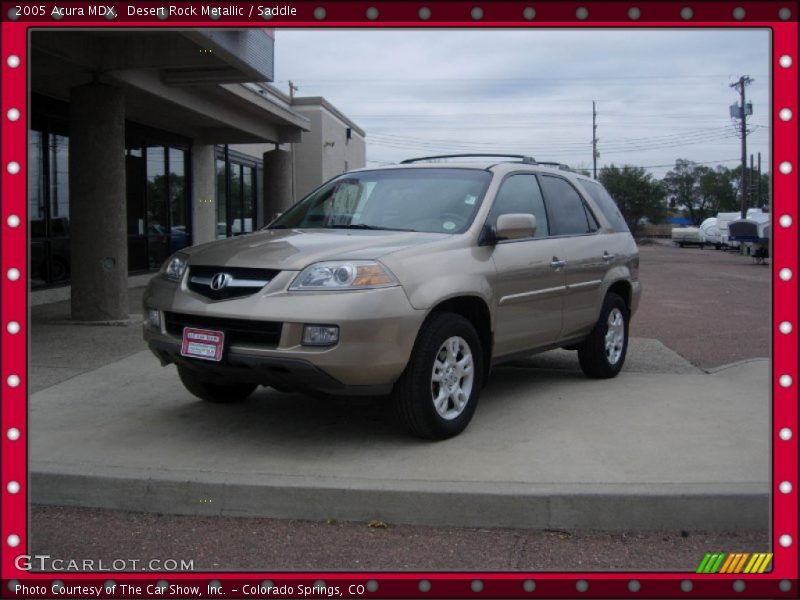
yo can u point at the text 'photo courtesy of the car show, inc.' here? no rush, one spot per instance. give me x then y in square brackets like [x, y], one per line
[399, 299]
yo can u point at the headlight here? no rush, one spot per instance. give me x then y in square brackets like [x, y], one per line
[175, 267]
[344, 275]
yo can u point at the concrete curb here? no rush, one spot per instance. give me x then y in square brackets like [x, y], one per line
[738, 363]
[617, 507]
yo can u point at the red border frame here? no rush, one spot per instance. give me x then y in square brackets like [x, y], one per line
[13, 241]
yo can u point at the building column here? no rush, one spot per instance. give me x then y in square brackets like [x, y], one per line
[277, 183]
[97, 192]
[204, 202]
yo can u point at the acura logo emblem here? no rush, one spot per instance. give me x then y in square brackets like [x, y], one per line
[220, 281]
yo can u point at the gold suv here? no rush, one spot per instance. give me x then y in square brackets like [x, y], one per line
[411, 280]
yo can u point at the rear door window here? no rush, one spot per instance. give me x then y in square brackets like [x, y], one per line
[568, 213]
[520, 194]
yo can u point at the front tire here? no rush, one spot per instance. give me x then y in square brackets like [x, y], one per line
[214, 391]
[603, 353]
[438, 392]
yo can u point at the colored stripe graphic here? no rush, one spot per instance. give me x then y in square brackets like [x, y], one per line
[762, 566]
[751, 563]
[740, 564]
[728, 561]
[703, 562]
[710, 563]
[718, 563]
[735, 562]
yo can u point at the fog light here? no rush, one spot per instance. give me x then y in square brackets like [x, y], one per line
[320, 335]
[153, 318]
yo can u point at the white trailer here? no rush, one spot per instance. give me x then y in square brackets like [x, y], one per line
[710, 232]
[687, 236]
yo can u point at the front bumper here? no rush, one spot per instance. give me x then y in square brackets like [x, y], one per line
[377, 331]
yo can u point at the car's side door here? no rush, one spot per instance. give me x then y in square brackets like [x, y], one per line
[530, 278]
[585, 251]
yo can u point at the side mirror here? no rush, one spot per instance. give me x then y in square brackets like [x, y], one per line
[515, 226]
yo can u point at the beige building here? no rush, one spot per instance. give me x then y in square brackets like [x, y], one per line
[341, 142]
[332, 145]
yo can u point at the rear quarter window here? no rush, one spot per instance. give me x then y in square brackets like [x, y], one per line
[606, 204]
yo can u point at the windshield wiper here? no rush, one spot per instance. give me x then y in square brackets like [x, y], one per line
[366, 226]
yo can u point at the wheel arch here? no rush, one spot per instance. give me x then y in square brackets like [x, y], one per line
[623, 289]
[476, 311]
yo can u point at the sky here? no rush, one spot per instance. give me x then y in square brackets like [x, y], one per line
[660, 94]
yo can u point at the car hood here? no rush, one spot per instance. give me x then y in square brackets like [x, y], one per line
[295, 249]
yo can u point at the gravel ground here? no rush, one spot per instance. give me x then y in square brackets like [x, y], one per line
[709, 306]
[238, 543]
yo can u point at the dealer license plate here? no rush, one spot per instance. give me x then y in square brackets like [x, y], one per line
[204, 344]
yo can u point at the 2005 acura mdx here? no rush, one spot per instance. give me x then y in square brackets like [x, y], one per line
[410, 280]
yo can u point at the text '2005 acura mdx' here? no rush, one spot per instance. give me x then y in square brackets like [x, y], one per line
[410, 280]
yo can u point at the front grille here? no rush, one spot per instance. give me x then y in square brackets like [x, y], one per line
[245, 281]
[237, 331]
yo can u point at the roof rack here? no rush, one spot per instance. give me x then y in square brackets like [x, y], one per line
[525, 159]
[561, 166]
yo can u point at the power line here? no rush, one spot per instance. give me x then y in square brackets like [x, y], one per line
[667, 165]
[429, 80]
[665, 137]
[612, 148]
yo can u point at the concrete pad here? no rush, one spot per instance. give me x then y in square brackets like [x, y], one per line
[547, 448]
[644, 356]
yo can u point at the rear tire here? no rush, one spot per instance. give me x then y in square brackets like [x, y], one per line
[438, 392]
[603, 353]
[214, 391]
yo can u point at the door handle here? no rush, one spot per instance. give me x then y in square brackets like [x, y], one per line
[608, 257]
[557, 264]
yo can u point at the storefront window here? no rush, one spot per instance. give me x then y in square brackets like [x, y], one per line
[36, 209]
[248, 200]
[236, 193]
[222, 196]
[36, 191]
[59, 184]
[158, 209]
[157, 203]
[178, 199]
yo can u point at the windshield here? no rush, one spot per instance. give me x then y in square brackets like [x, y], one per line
[430, 200]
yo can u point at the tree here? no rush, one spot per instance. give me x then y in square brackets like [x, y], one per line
[715, 188]
[700, 190]
[638, 195]
[752, 177]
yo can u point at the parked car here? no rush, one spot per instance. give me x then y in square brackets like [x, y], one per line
[411, 280]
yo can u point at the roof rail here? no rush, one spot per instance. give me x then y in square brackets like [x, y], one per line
[561, 166]
[525, 159]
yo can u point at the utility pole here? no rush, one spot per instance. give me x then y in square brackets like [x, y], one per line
[758, 181]
[292, 89]
[594, 139]
[740, 85]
